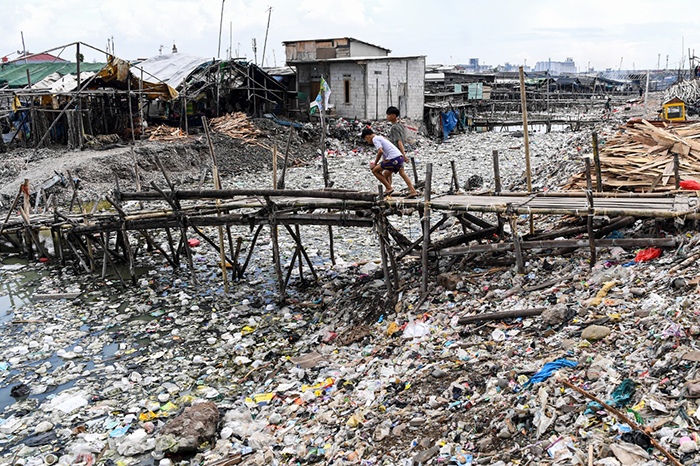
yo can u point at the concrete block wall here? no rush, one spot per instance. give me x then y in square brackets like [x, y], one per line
[354, 73]
[397, 82]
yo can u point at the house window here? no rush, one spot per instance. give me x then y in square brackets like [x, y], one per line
[346, 88]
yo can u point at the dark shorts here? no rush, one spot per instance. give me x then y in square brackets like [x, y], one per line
[393, 165]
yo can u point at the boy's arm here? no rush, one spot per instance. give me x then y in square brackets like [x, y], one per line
[403, 151]
[379, 155]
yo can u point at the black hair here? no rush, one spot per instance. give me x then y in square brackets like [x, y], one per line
[366, 132]
[393, 111]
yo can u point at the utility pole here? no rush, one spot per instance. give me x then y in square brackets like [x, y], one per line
[267, 30]
[255, 51]
[221, 25]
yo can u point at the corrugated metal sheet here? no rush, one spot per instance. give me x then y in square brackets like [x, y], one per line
[16, 75]
[170, 68]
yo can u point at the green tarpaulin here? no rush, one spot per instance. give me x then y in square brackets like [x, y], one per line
[16, 73]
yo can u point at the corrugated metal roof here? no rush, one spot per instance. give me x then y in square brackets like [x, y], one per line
[57, 83]
[171, 68]
[16, 75]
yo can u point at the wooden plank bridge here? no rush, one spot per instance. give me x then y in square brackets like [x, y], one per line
[83, 237]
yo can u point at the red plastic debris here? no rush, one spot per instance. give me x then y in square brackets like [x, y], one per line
[691, 185]
[193, 242]
[43, 259]
[647, 254]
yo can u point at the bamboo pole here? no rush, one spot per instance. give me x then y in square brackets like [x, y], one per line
[276, 254]
[623, 418]
[274, 167]
[217, 186]
[280, 183]
[455, 179]
[382, 248]
[516, 245]
[523, 102]
[591, 210]
[232, 193]
[596, 159]
[426, 229]
[564, 243]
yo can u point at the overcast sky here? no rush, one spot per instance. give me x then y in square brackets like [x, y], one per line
[524, 31]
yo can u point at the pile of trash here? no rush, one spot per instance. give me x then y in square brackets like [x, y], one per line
[179, 373]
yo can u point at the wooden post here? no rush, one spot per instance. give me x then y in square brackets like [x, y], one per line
[496, 172]
[497, 188]
[274, 167]
[25, 195]
[455, 179]
[80, 103]
[516, 244]
[274, 235]
[426, 229]
[280, 183]
[382, 248]
[415, 171]
[526, 134]
[324, 161]
[591, 211]
[676, 170]
[217, 185]
[596, 160]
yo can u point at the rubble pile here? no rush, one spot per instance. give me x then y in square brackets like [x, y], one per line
[640, 158]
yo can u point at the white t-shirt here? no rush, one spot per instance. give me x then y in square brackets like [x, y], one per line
[389, 151]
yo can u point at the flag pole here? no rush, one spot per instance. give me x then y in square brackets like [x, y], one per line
[324, 161]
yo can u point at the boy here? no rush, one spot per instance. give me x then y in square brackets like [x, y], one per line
[392, 161]
[397, 133]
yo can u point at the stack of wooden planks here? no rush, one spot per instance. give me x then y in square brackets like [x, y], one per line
[640, 158]
[165, 133]
[237, 126]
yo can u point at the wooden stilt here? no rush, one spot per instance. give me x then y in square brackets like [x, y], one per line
[108, 259]
[280, 183]
[301, 262]
[596, 160]
[302, 250]
[426, 229]
[591, 212]
[276, 255]
[217, 185]
[331, 245]
[382, 249]
[415, 172]
[455, 178]
[516, 244]
[250, 250]
[295, 255]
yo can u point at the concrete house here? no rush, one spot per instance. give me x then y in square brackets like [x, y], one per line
[364, 79]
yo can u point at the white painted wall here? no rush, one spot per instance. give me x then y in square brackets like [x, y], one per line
[358, 49]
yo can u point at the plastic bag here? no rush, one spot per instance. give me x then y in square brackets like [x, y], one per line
[647, 255]
[691, 185]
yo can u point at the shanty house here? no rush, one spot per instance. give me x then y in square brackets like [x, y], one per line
[363, 78]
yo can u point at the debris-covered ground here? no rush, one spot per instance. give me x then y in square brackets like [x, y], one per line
[175, 372]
